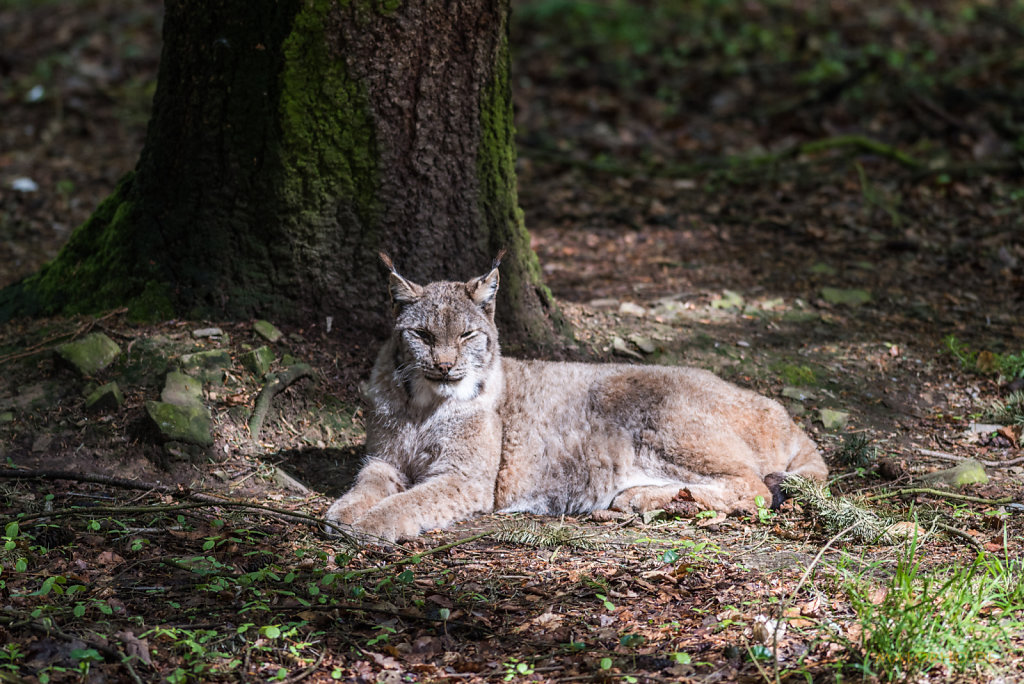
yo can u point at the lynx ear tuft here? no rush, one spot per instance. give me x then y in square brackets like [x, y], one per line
[484, 289]
[402, 291]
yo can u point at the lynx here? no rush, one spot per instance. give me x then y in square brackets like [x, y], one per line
[456, 430]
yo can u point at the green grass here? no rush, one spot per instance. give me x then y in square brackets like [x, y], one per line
[958, 618]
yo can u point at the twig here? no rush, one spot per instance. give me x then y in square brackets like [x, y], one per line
[938, 492]
[205, 499]
[276, 384]
[43, 346]
[106, 650]
[792, 594]
[958, 459]
[956, 531]
[416, 557]
[308, 671]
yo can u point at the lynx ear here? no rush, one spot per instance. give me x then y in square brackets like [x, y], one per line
[402, 291]
[484, 289]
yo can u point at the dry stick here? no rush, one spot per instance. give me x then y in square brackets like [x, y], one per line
[953, 457]
[308, 671]
[276, 384]
[42, 346]
[949, 529]
[416, 557]
[792, 594]
[106, 650]
[938, 492]
[205, 499]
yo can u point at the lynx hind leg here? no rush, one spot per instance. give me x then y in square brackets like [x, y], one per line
[376, 481]
[807, 463]
[645, 497]
[731, 493]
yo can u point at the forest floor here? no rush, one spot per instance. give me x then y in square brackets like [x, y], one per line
[771, 192]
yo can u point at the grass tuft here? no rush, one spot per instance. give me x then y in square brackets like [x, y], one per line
[957, 619]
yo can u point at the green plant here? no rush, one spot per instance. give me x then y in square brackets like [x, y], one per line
[856, 451]
[765, 514]
[958, 618]
[384, 633]
[514, 668]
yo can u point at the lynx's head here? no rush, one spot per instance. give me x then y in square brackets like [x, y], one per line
[445, 338]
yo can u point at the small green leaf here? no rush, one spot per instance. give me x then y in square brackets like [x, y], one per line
[271, 631]
[670, 556]
[606, 663]
[11, 531]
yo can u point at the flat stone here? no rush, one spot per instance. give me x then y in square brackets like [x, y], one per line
[832, 419]
[798, 393]
[286, 481]
[258, 360]
[631, 309]
[267, 331]
[181, 389]
[643, 343]
[105, 398]
[181, 451]
[853, 297]
[964, 473]
[6, 417]
[90, 354]
[208, 366]
[620, 347]
[728, 300]
[207, 332]
[191, 424]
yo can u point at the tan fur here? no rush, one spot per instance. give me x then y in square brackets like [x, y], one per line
[456, 430]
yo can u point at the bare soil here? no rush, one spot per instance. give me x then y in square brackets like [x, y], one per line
[655, 258]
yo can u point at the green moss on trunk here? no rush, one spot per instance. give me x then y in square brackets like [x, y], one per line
[529, 318]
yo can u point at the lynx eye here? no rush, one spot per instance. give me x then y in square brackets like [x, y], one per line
[468, 334]
[423, 334]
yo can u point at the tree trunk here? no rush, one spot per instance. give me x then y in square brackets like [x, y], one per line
[290, 142]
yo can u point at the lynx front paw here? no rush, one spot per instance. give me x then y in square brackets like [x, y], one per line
[340, 513]
[386, 526]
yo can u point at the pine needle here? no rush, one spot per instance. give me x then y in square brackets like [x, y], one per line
[1008, 411]
[838, 514]
[526, 532]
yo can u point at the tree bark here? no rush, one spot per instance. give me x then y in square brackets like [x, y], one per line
[291, 140]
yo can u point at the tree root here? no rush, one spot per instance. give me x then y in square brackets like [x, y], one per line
[201, 499]
[276, 384]
[938, 492]
[953, 457]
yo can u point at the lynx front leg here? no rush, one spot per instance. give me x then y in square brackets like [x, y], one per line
[436, 502]
[376, 481]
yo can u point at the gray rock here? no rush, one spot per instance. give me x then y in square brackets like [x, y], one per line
[208, 366]
[105, 398]
[963, 474]
[267, 331]
[258, 360]
[181, 451]
[207, 332]
[832, 419]
[90, 354]
[191, 424]
[850, 297]
[181, 389]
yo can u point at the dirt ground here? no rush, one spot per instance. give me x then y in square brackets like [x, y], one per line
[681, 215]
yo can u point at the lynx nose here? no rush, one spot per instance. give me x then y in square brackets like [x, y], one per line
[444, 366]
